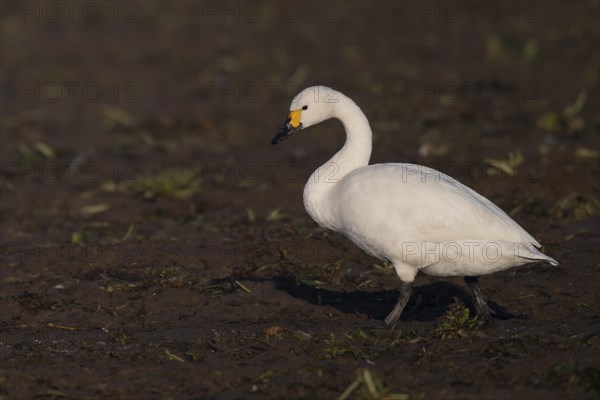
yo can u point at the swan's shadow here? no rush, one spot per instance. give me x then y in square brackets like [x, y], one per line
[427, 303]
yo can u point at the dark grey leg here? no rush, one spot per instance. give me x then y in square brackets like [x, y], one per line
[483, 310]
[403, 298]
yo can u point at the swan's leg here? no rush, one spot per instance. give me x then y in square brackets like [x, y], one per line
[483, 310]
[403, 298]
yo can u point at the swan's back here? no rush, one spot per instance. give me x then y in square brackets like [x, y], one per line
[407, 202]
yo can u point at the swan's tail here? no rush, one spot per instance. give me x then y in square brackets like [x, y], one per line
[532, 253]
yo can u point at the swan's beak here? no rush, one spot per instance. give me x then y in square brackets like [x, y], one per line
[291, 125]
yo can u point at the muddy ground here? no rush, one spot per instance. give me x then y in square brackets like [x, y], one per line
[155, 245]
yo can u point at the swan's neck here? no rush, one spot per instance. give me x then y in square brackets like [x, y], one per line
[355, 153]
[357, 149]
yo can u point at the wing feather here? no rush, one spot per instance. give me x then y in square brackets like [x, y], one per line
[427, 204]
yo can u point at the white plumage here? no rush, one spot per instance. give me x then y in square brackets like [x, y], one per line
[415, 217]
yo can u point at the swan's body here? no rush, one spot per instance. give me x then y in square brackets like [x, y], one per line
[415, 217]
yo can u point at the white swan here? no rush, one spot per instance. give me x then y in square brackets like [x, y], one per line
[415, 217]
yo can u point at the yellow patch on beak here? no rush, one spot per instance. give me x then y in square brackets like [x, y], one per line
[294, 117]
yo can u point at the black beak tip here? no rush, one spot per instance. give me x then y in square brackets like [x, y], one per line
[280, 137]
[285, 132]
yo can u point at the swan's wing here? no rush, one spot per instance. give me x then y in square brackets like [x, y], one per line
[500, 216]
[423, 204]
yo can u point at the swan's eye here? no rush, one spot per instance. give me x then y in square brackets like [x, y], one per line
[305, 107]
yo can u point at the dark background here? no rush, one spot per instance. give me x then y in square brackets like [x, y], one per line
[154, 244]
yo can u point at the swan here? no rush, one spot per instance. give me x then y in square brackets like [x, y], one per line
[414, 217]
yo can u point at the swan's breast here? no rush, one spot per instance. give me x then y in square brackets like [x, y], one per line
[319, 204]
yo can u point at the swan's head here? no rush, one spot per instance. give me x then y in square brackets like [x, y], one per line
[311, 106]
